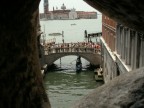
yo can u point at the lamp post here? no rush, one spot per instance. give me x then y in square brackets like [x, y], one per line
[63, 36]
[44, 36]
[63, 43]
[85, 35]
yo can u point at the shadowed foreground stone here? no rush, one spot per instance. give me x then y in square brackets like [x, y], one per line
[125, 91]
[21, 82]
[127, 12]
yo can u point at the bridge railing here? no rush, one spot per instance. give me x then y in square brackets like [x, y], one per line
[71, 47]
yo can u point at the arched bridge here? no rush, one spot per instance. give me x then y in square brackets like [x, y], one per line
[88, 51]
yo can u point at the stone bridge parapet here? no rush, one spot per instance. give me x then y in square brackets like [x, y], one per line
[89, 52]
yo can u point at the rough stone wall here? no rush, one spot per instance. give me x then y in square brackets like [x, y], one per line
[125, 91]
[127, 12]
[21, 83]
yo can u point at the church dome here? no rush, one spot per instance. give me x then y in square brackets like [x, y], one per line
[63, 7]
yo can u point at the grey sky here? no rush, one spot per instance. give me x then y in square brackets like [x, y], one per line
[79, 5]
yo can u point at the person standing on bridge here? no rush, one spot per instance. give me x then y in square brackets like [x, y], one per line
[85, 47]
[67, 47]
[49, 49]
[98, 47]
[58, 47]
[71, 46]
[62, 47]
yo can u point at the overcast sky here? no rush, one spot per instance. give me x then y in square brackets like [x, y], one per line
[79, 5]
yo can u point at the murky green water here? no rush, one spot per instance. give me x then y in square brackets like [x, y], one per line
[65, 87]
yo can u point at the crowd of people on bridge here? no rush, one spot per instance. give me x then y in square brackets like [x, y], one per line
[72, 47]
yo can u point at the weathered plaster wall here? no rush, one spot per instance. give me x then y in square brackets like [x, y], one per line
[121, 66]
[109, 65]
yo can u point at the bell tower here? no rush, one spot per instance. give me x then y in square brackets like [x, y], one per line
[46, 6]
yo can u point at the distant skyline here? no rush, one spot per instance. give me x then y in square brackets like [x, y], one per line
[79, 5]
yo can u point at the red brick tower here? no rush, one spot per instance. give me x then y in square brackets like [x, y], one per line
[46, 6]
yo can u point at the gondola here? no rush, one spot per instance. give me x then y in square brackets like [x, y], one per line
[78, 64]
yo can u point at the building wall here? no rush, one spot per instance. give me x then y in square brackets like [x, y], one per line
[87, 15]
[61, 16]
[122, 47]
[109, 65]
[41, 15]
[108, 47]
[129, 47]
[68, 14]
[73, 15]
[109, 31]
[45, 16]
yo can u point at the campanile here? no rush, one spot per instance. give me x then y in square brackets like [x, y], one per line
[46, 6]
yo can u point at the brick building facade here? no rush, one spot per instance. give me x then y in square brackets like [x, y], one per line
[122, 48]
[109, 31]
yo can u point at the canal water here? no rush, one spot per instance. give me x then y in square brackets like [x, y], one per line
[64, 86]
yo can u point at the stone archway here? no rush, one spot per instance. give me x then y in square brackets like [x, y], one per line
[20, 79]
[94, 59]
